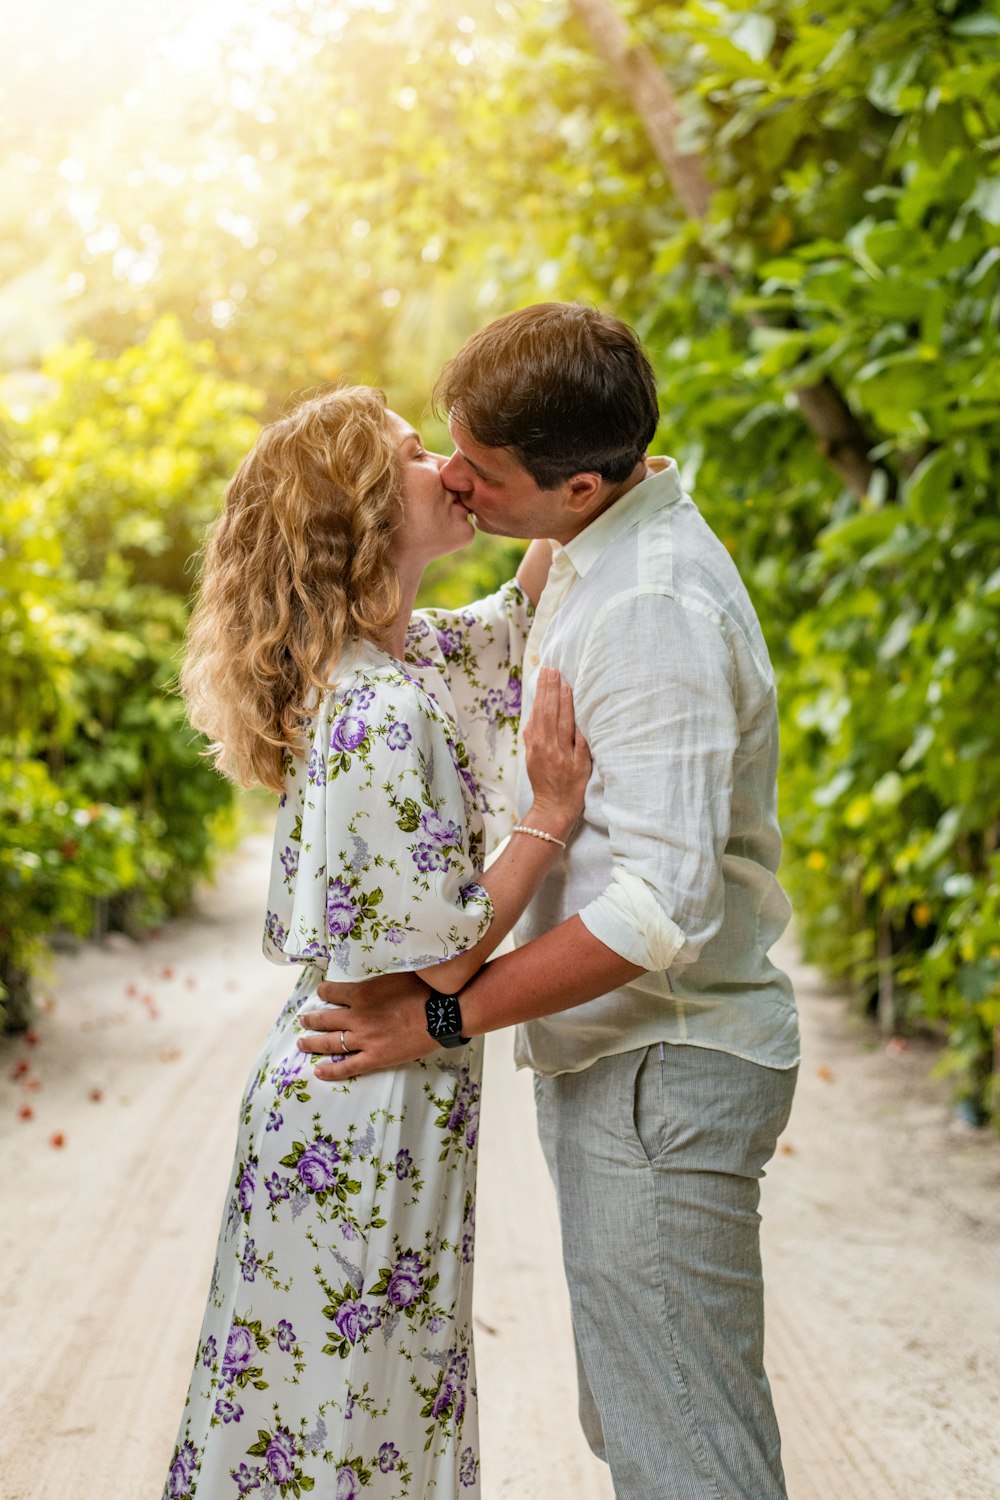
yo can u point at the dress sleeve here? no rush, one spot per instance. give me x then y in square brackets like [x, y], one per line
[480, 650]
[378, 844]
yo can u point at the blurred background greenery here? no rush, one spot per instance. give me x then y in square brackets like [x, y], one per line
[209, 208]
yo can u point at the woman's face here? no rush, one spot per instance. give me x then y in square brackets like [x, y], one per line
[435, 521]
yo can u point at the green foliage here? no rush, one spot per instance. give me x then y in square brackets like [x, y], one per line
[109, 485]
[855, 152]
[397, 176]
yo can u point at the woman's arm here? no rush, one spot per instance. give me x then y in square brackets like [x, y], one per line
[534, 569]
[559, 767]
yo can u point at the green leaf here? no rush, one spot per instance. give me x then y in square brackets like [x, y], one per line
[408, 817]
[929, 487]
[979, 23]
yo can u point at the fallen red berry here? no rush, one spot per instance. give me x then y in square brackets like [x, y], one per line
[25, 1112]
[58, 1139]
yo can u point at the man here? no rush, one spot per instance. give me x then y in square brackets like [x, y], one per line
[663, 1040]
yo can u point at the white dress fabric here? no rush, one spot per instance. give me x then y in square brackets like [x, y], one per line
[336, 1355]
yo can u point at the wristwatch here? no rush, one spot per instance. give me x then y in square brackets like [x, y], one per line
[444, 1019]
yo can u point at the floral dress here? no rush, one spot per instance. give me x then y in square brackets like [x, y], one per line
[336, 1355]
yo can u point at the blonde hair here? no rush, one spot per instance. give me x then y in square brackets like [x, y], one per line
[297, 565]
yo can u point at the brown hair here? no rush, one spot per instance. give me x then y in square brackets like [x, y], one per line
[566, 388]
[297, 565]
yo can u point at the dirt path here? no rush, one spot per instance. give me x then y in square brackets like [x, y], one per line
[882, 1242]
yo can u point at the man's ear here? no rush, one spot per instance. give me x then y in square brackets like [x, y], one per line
[582, 491]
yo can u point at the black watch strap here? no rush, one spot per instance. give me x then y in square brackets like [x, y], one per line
[444, 1020]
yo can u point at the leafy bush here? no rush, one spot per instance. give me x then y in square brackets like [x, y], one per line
[857, 215]
[108, 812]
[825, 336]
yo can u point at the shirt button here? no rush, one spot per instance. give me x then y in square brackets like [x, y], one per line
[532, 658]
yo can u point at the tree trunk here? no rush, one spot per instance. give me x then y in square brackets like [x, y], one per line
[840, 436]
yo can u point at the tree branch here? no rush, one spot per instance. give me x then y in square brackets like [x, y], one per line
[840, 436]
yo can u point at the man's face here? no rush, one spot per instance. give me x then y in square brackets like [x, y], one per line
[500, 492]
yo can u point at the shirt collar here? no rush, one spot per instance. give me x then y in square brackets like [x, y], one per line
[658, 490]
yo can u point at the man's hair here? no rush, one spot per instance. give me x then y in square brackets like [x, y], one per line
[566, 388]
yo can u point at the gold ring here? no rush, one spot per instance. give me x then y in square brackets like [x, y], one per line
[343, 1045]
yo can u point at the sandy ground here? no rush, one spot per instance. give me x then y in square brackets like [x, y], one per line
[882, 1241]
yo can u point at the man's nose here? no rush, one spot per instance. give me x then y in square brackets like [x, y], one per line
[455, 473]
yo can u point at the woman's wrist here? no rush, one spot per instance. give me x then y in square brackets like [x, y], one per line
[555, 821]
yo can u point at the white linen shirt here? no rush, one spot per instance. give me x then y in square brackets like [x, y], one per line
[673, 863]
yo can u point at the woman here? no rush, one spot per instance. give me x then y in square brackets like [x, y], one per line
[336, 1351]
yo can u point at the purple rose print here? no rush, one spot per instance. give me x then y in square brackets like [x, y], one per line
[341, 911]
[280, 1456]
[468, 1248]
[247, 1479]
[348, 1320]
[387, 1456]
[399, 736]
[438, 831]
[468, 1468]
[348, 1231]
[395, 934]
[285, 1336]
[436, 1323]
[404, 1161]
[355, 1319]
[182, 1471]
[290, 859]
[451, 1392]
[317, 1166]
[346, 733]
[209, 1352]
[245, 1186]
[316, 769]
[229, 1411]
[240, 1349]
[406, 1282]
[512, 697]
[450, 641]
[347, 1483]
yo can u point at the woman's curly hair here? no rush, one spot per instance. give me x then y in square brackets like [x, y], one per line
[297, 566]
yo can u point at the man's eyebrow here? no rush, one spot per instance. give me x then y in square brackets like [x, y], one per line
[483, 474]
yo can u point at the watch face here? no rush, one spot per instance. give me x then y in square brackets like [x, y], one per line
[444, 1016]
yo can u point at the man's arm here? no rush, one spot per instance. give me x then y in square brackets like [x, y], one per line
[663, 734]
[384, 1022]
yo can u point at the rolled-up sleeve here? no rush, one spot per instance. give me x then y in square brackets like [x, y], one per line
[655, 699]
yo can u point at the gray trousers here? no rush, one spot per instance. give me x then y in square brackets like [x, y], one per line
[656, 1161]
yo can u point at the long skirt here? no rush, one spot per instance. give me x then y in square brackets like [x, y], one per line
[336, 1351]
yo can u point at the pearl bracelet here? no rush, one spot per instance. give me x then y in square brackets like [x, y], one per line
[538, 833]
